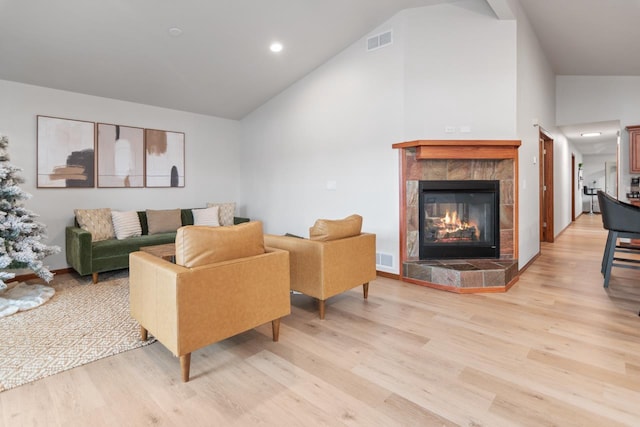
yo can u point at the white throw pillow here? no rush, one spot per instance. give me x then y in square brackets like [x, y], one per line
[227, 212]
[207, 216]
[126, 224]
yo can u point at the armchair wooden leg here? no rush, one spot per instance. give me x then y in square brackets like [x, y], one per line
[94, 277]
[143, 333]
[365, 290]
[275, 329]
[185, 365]
[321, 307]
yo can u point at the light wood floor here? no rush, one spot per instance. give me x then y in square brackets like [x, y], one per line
[557, 349]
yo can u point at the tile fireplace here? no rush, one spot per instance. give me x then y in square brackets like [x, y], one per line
[455, 238]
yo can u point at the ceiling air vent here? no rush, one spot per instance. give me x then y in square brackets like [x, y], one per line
[380, 40]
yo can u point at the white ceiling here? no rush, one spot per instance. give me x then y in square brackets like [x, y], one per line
[588, 37]
[604, 144]
[221, 64]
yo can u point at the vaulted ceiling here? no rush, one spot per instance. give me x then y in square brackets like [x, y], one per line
[221, 64]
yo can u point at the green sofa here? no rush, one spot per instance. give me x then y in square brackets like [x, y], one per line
[87, 257]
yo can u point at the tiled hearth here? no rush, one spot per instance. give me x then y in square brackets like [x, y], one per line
[463, 274]
[459, 160]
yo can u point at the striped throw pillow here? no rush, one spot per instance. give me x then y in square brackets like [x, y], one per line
[126, 224]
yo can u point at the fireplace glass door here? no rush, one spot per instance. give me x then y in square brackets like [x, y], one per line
[459, 219]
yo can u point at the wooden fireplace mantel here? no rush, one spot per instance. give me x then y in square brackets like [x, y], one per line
[462, 149]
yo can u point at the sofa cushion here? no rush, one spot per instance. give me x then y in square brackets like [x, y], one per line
[227, 212]
[333, 229]
[206, 216]
[197, 245]
[97, 222]
[112, 247]
[126, 224]
[186, 214]
[163, 221]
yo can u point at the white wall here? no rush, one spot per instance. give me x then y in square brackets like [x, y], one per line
[562, 182]
[583, 99]
[535, 104]
[211, 155]
[579, 183]
[460, 71]
[339, 122]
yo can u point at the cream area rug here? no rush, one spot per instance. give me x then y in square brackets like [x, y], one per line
[21, 297]
[81, 323]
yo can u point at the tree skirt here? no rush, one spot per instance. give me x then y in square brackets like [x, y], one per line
[23, 297]
[81, 323]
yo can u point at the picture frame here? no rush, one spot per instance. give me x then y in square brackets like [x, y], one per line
[164, 158]
[120, 156]
[65, 153]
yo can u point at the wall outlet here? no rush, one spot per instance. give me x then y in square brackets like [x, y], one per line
[449, 129]
[465, 129]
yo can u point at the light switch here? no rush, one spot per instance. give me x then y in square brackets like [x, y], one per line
[332, 185]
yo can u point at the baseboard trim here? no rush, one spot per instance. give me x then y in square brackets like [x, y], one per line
[530, 263]
[459, 290]
[388, 275]
[30, 276]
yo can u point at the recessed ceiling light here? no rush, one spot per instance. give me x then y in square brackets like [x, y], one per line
[175, 32]
[276, 47]
[591, 134]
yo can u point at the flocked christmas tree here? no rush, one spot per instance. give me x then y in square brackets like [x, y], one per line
[21, 236]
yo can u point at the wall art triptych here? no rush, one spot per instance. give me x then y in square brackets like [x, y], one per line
[73, 153]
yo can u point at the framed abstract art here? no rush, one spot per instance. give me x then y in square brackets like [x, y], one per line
[164, 158]
[120, 156]
[66, 153]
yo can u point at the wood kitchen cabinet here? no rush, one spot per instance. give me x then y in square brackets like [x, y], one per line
[634, 148]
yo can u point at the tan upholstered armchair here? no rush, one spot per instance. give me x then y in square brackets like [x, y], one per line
[224, 282]
[336, 258]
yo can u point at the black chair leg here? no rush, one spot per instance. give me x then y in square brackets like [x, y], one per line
[612, 250]
[605, 256]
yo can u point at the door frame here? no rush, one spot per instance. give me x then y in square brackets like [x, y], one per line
[546, 187]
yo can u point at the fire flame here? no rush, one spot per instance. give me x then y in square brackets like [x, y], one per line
[452, 223]
[452, 219]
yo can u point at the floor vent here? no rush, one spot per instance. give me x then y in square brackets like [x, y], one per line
[384, 260]
[380, 40]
